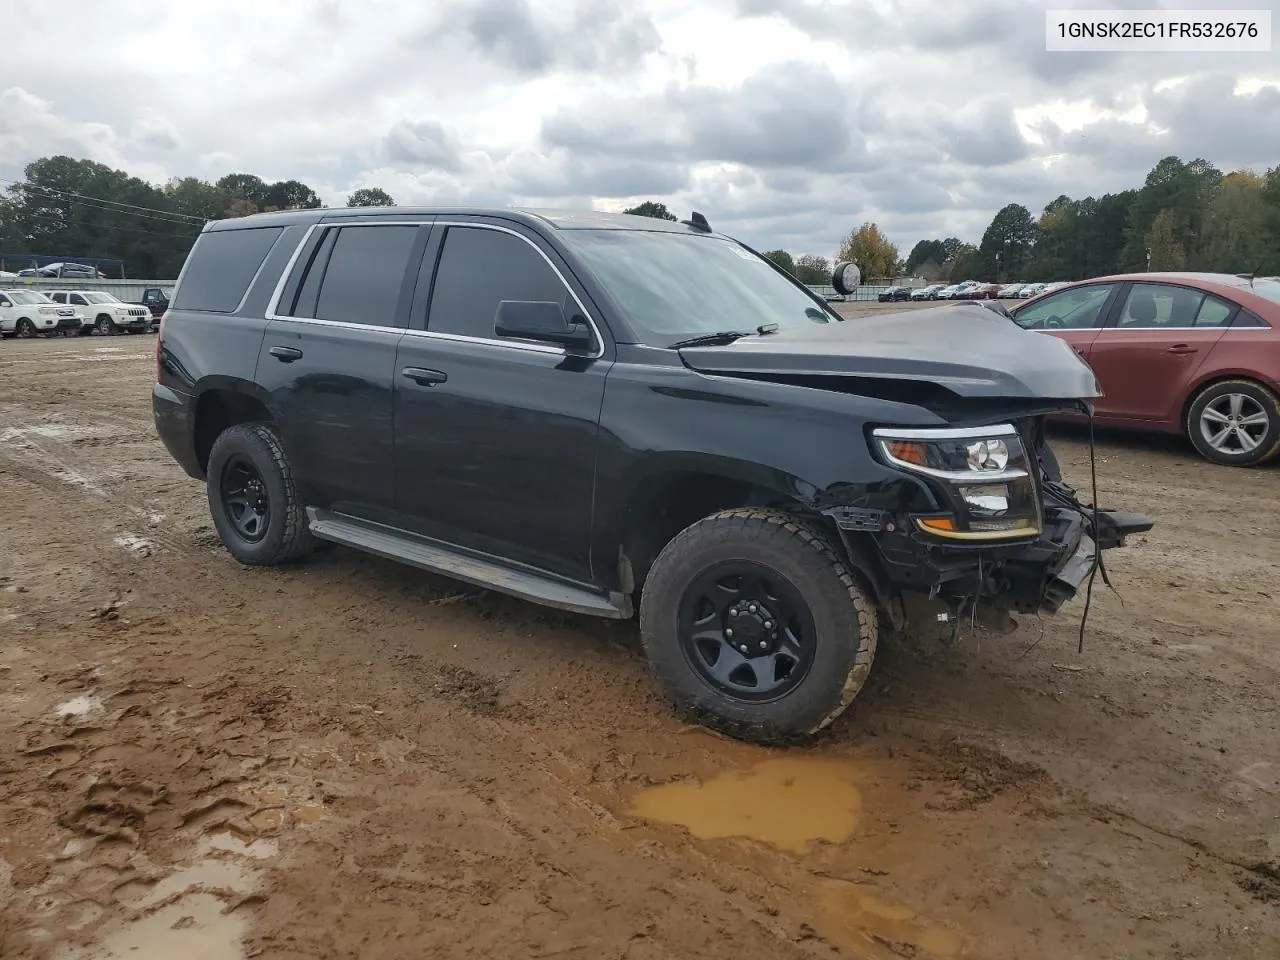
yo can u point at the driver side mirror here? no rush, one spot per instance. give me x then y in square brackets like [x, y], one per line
[544, 321]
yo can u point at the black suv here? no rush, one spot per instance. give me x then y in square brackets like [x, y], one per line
[605, 412]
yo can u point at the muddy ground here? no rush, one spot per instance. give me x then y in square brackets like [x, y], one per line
[353, 759]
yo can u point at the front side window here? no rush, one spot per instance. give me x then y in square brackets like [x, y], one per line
[364, 275]
[477, 269]
[672, 286]
[1079, 308]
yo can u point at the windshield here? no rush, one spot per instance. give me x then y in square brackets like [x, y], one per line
[673, 286]
[102, 298]
[26, 296]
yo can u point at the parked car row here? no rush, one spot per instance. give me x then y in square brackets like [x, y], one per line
[31, 313]
[976, 290]
[55, 271]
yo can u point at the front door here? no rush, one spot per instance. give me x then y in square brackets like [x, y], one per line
[1150, 350]
[327, 360]
[495, 438]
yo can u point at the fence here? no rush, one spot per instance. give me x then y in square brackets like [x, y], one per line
[130, 291]
[862, 293]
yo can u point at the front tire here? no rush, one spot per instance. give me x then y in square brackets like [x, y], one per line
[1235, 423]
[763, 580]
[25, 329]
[253, 499]
[105, 326]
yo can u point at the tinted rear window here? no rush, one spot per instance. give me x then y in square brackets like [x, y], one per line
[221, 267]
[365, 273]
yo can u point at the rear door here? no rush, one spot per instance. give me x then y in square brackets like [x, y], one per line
[496, 438]
[1075, 315]
[1156, 339]
[328, 357]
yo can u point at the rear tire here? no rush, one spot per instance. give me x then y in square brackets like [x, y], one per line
[1235, 423]
[822, 615]
[253, 498]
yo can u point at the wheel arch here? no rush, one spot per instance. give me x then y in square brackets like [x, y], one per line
[223, 403]
[666, 502]
[1213, 379]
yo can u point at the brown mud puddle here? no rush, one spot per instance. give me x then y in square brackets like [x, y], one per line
[790, 803]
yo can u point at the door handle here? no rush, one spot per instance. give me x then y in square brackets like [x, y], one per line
[423, 376]
[1183, 349]
[285, 354]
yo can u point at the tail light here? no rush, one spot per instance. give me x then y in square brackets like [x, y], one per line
[160, 342]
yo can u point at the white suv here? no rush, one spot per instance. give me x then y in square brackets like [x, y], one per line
[105, 312]
[27, 313]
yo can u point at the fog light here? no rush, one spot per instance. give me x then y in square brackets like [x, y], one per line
[991, 499]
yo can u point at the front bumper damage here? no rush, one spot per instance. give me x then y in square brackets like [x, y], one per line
[988, 583]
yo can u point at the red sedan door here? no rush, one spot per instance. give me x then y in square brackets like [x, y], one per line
[1147, 355]
[1074, 314]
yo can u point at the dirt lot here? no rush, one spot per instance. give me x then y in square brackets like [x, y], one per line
[353, 759]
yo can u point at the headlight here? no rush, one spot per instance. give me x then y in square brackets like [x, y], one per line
[47, 310]
[982, 475]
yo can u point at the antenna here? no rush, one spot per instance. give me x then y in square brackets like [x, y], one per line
[698, 222]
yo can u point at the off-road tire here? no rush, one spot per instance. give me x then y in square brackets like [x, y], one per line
[1266, 398]
[287, 538]
[844, 616]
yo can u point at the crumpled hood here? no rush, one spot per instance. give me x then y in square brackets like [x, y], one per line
[965, 348]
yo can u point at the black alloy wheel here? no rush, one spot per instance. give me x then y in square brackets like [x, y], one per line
[747, 631]
[244, 498]
[754, 625]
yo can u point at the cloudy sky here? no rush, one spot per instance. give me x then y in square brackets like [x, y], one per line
[787, 122]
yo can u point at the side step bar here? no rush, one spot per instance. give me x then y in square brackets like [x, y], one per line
[485, 572]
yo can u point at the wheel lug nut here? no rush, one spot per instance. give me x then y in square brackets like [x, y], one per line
[752, 608]
[729, 632]
[768, 624]
[764, 645]
[743, 648]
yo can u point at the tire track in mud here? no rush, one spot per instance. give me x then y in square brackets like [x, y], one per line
[49, 453]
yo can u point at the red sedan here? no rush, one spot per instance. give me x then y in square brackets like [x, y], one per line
[1191, 353]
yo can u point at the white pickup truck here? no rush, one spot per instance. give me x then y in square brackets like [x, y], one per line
[105, 312]
[28, 313]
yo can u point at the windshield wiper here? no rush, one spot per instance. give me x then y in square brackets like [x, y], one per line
[724, 337]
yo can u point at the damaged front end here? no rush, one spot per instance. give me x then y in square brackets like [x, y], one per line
[1004, 535]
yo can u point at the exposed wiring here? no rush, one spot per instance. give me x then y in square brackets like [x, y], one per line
[1097, 550]
[85, 197]
[55, 220]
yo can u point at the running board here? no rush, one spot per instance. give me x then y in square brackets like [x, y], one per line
[482, 572]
